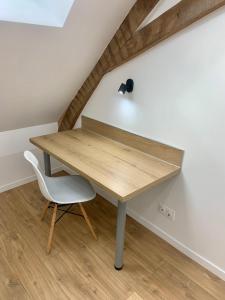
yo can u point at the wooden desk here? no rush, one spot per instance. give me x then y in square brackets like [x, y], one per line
[121, 163]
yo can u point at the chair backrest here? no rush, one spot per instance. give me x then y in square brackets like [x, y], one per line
[31, 158]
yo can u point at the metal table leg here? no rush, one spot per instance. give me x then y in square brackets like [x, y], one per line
[47, 163]
[120, 234]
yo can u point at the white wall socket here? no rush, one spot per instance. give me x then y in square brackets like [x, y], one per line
[167, 212]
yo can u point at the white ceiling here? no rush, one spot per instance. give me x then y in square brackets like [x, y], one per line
[41, 12]
[41, 68]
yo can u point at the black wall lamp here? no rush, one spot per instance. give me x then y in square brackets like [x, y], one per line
[128, 87]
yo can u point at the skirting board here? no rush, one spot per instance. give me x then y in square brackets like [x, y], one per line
[171, 240]
[23, 181]
[178, 245]
[146, 223]
[165, 236]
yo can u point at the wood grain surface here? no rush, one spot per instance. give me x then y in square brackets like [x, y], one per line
[122, 169]
[80, 267]
[164, 152]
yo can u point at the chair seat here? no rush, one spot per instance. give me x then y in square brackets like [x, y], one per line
[69, 189]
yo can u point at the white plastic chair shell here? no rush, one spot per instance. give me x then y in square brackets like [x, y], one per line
[63, 189]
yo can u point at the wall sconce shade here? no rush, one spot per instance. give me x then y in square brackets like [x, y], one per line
[122, 89]
[128, 87]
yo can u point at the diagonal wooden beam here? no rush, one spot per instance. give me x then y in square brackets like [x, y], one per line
[127, 29]
[175, 19]
[126, 45]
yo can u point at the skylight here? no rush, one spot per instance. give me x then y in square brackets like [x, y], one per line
[39, 12]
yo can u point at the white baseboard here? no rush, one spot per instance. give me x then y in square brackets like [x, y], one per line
[165, 236]
[140, 219]
[171, 240]
[178, 245]
[25, 180]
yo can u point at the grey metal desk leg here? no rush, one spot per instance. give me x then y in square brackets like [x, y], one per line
[120, 234]
[47, 163]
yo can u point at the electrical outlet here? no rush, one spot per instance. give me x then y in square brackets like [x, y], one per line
[162, 209]
[167, 212]
[170, 214]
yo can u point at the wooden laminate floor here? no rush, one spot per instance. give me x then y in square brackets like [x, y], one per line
[80, 267]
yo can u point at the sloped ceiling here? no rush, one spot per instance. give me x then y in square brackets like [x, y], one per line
[41, 68]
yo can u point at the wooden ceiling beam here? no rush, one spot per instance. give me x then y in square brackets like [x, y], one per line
[175, 19]
[135, 17]
[128, 43]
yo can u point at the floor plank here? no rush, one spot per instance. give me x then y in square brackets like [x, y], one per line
[134, 296]
[80, 267]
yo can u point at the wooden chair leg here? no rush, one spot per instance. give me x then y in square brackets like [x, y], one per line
[52, 226]
[45, 210]
[87, 221]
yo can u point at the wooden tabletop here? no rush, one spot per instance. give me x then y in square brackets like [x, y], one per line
[120, 169]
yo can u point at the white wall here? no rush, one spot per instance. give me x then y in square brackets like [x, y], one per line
[179, 99]
[41, 68]
[14, 170]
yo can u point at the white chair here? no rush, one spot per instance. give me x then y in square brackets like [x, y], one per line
[64, 190]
